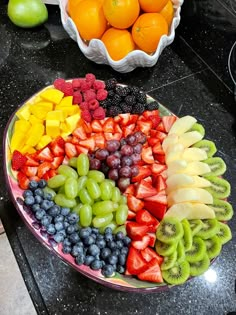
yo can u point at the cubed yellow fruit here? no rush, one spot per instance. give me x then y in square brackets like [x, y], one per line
[34, 135]
[23, 113]
[55, 115]
[17, 140]
[72, 121]
[64, 135]
[46, 139]
[21, 125]
[52, 95]
[34, 120]
[66, 101]
[27, 149]
[53, 128]
[41, 109]
[64, 127]
[70, 110]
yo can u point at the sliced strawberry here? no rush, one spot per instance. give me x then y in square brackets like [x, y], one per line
[133, 119]
[57, 146]
[160, 135]
[152, 228]
[147, 156]
[152, 141]
[31, 161]
[117, 119]
[142, 244]
[70, 150]
[157, 168]
[81, 149]
[57, 161]
[164, 174]
[152, 241]
[130, 190]
[99, 140]
[143, 172]
[157, 209]
[157, 148]
[125, 119]
[159, 183]
[148, 254]
[96, 126]
[144, 126]
[153, 273]
[49, 174]
[144, 217]
[159, 197]
[23, 180]
[155, 120]
[128, 130]
[45, 155]
[168, 122]
[148, 180]
[160, 127]
[134, 204]
[145, 189]
[160, 158]
[109, 125]
[117, 129]
[80, 133]
[43, 168]
[131, 215]
[29, 171]
[136, 231]
[87, 127]
[135, 262]
[89, 143]
[18, 160]
[114, 136]
[36, 178]
[149, 113]
[75, 140]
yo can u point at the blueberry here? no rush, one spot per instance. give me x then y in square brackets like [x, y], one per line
[103, 263]
[96, 264]
[38, 192]
[59, 218]
[66, 249]
[120, 235]
[46, 220]
[38, 199]
[108, 237]
[120, 269]
[108, 230]
[27, 193]
[89, 240]
[119, 244]
[65, 211]
[35, 207]
[112, 259]
[66, 242]
[111, 244]
[59, 226]
[126, 240]
[74, 238]
[100, 237]
[94, 236]
[42, 183]
[63, 232]
[54, 210]
[58, 237]
[80, 259]
[122, 259]
[51, 229]
[33, 185]
[46, 204]
[93, 250]
[66, 224]
[70, 229]
[40, 214]
[116, 252]
[73, 218]
[107, 270]
[105, 252]
[84, 233]
[29, 201]
[95, 231]
[101, 243]
[77, 250]
[88, 260]
[76, 227]
[124, 250]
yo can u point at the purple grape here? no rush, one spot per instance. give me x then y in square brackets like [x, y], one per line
[104, 168]
[123, 183]
[138, 148]
[140, 137]
[136, 158]
[127, 160]
[131, 140]
[95, 164]
[125, 172]
[101, 154]
[126, 150]
[113, 161]
[123, 142]
[134, 170]
[117, 154]
[113, 145]
[113, 174]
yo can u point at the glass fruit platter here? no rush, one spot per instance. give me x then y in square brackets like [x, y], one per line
[82, 181]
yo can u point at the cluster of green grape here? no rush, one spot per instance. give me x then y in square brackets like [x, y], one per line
[97, 200]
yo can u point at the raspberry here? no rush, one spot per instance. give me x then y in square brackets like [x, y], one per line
[93, 104]
[67, 89]
[99, 113]
[90, 78]
[84, 105]
[101, 94]
[89, 95]
[77, 97]
[85, 114]
[76, 83]
[84, 85]
[59, 83]
[97, 85]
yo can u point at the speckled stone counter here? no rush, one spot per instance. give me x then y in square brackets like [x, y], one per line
[191, 77]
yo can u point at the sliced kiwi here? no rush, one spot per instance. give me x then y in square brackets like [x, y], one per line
[178, 274]
[217, 166]
[224, 234]
[180, 251]
[223, 210]
[199, 267]
[220, 188]
[164, 249]
[210, 228]
[213, 246]
[169, 230]
[187, 238]
[198, 127]
[195, 226]
[169, 261]
[206, 145]
[197, 250]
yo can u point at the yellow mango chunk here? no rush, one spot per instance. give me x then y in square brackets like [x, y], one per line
[55, 115]
[64, 134]
[34, 135]
[52, 95]
[41, 109]
[66, 101]
[46, 139]
[28, 149]
[21, 125]
[72, 121]
[53, 128]
[34, 120]
[70, 110]
[17, 141]
[23, 113]
[64, 127]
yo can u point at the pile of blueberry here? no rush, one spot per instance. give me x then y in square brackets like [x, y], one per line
[99, 251]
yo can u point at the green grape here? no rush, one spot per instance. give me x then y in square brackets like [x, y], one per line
[61, 190]
[67, 171]
[115, 194]
[112, 182]
[103, 207]
[56, 181]
[63, 201]
[73, 162]
[102, 220]
[82, 164]
[77, 208]
[96, 175]
[71, 187]
[121, 228]
[81, 182]
[50, 191]
[93, 188]
[112, 225]
[106, 190]
[115, 206]
[123, 200]
[121, 214]
[85, 215]
[85, 197]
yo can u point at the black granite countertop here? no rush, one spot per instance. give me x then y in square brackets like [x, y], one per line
[191, 77]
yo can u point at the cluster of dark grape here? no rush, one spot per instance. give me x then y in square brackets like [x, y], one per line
[124, 99]
[118, 161]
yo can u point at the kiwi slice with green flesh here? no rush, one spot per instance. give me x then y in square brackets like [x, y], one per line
[164, 249]
[223, 210]
[206, 145]
[169, 230]
[169, 261]
[220, 188]
[188, 237]
[217, 166]
[198, 127]
[199, 267]
[180, 251]
[213, 246]
[224, 234]
[178, 274]
[195, 226]
[210, 228]
[197, 250]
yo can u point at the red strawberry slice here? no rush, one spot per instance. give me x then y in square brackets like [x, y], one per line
[148, 179]
[70, 150]
[160, 135]
[57, 146]
[147, 156]
[157, 209]
[124, 119]
[157, 168]
[87, 127]
[143, 171]
[155, 120]
[109, 125]
[152, 241]
[157, 148]
[144, 190]
[153, 228]
[135, 262]
[168, 122]
[136, 231]
[134, 204]
[142, 244]
[159, 183]
[144, 126]
[160, 127]
[131, 215]
[96, 126]
[153, 273]
[117, 129]
[89, 143]
[23, 180]
[152, 141]
[81, 149]
[114, 136]
[99, 140]
[159, 197]
[130, 190]
[45, 155]
[31, 161]
[144, 217]
[160, 158]
[57, 161]
[75, 140]
[29, 171]
[49, 174]
[149, 113]
[43, 168]
[148, 254]
[128, 130]
[80, 133]
[18, 160]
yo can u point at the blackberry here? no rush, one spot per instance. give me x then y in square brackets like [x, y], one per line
[116, 100]
[110, 84]
[110, 94]
[126, 108]
[138, 108]
[122, 91]
[134, 90]
[114, 111]
[152, 106]
[130, 100]
[141, 98]
[105, 104]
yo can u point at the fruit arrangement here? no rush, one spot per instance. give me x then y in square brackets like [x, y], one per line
[122, 189]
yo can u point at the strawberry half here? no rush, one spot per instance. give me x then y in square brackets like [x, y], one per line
[152, 241]
[159, 197]
[136, 231]
[80, 133]
[148, 254]
[57, 161]
[31, 160]
[45, 155]
[168, 122]
[57, 146]
[18, 160]
[22, 180]
[70, 150]
[142, 244]
[147, 155]
[144, 189]
[29, 171]
[144, 217]
[135, 262]
[152, 273]
[43, 168]
[134, 203]
[143, 172]
[159, 183]
[157, 209]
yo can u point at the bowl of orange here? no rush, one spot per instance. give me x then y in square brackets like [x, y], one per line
[124, 34]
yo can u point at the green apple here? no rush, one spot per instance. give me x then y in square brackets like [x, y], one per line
[27, 13]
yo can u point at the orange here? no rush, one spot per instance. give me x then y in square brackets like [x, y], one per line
[152, 6]
[89, 19]
[121, 13]
[71, 5]
[118, 43]
[147, 31]
[168, 12]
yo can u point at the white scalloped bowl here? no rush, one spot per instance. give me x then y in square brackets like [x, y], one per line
[96, 51]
